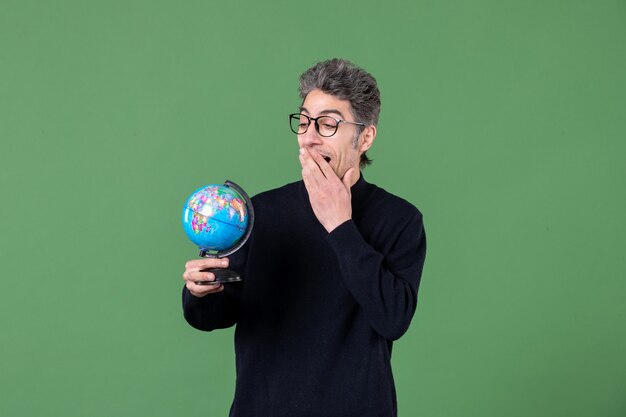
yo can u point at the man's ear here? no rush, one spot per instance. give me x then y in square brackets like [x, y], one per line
[367, 138]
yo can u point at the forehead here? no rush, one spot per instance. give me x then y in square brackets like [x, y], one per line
[319, 103]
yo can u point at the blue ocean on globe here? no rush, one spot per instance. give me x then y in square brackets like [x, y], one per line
[215, 217]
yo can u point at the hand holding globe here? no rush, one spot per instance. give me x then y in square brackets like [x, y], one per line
[219, 220]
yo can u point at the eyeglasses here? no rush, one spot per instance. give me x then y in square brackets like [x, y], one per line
[326, 126]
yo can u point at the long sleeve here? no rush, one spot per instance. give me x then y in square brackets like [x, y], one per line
[213, 311]
[384, 284]
[218, 310]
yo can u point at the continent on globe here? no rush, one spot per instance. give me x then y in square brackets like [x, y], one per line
[215, 217]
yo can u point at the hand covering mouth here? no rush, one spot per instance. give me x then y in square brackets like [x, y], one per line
[326, 157]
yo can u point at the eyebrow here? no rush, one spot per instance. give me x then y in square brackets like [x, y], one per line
[325, 112]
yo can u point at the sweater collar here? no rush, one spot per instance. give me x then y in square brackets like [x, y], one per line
[359, 190]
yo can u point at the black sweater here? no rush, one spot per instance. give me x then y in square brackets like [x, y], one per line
[317, 312]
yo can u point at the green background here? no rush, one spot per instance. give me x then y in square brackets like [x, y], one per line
[503, 121]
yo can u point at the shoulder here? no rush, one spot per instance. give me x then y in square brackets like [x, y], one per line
[387, 221]
[279, 192]
[286, 197]
[381, 202]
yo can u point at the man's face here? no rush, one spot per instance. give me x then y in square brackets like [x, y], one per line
[339, 150]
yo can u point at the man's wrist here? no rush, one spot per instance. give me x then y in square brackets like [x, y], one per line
[330, 228]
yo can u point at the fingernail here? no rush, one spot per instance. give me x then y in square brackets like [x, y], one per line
[224, 262]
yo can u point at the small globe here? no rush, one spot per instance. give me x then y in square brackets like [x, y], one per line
[216, 217]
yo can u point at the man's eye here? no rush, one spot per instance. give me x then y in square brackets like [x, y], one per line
[328, 126]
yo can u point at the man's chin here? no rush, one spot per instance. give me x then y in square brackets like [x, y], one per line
[354, 176]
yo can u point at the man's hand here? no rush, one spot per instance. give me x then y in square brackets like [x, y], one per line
[329, 195]
[193, 274]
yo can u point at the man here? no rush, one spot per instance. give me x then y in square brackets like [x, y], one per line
[331, 271]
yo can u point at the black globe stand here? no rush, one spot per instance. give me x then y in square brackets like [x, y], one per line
[223, 275]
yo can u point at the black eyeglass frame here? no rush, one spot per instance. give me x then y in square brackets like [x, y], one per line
[297, 116]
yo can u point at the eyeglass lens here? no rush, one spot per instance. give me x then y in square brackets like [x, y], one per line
[325, 125]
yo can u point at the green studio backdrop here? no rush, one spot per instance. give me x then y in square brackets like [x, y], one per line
[503, 121]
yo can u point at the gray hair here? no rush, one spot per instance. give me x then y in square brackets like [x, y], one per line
[344, 80]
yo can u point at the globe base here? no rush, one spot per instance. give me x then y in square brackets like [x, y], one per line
[222, 275]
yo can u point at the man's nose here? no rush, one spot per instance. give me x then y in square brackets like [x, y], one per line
[311, 136]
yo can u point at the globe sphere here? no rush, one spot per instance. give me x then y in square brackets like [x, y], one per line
[215, 217]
